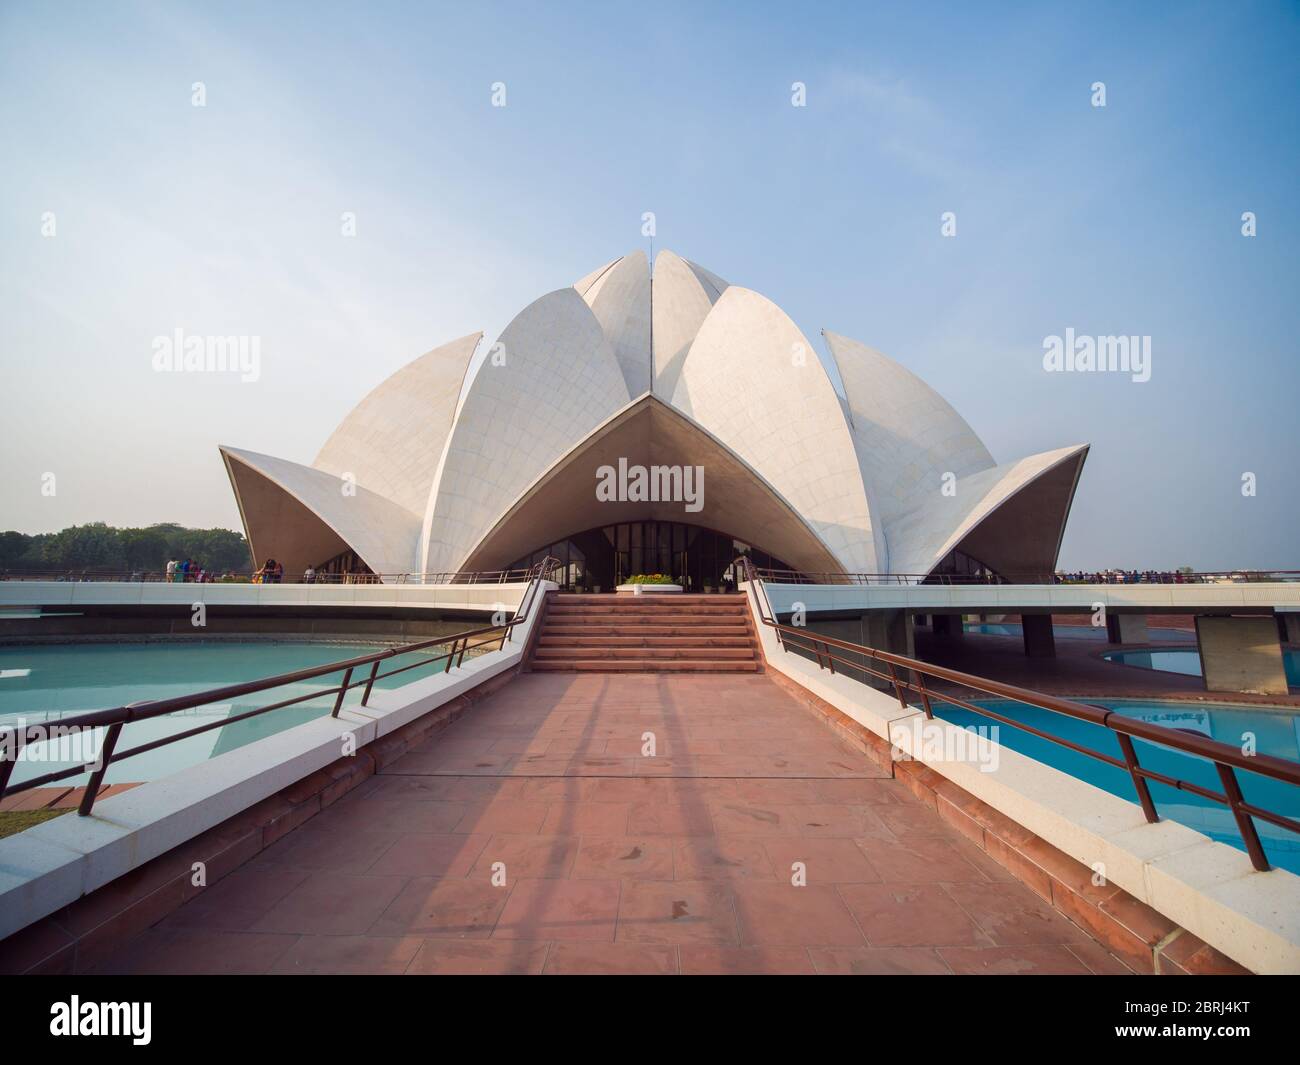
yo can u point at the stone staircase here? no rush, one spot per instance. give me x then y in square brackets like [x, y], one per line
[645, 634]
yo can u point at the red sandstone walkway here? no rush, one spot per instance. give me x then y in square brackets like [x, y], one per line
[615, 862]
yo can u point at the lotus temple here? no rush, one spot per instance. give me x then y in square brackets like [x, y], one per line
[650, 638]
[478, 459]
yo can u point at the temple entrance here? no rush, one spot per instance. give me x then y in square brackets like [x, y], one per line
[600, 559]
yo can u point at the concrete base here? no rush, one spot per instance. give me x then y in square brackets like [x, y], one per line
[948, 625]
[1040, 641]
[885, 630]
[1288, 627]
[1241, 654]
[1127, 628]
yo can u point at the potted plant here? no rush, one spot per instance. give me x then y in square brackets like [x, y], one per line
[649, 583]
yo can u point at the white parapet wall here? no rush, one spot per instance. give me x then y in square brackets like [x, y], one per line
[54, 863]
[1062, 598]
[1207, 887]
[485, 597]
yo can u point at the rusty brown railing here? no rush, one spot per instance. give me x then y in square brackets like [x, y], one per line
[12, 739]
[1226, 759]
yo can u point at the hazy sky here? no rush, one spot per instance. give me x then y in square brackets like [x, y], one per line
[225, 219]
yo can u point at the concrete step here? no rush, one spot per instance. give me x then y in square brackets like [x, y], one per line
[642, 653]
[677, 665]
[702, 631]
[691, 598]
[646, 619]
[548, 639]
[646, 634]
[675, 609]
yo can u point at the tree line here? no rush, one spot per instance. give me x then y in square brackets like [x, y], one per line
[102, 547]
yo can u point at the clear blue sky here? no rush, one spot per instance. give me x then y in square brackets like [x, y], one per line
[225, 220]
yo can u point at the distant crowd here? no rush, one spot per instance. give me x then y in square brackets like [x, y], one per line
[272, 572]
[1130, 576]
[190, 571]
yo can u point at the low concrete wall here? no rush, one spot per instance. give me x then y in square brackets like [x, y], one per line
[72, 594]
[1204, 887]
[53, 864]
[1245, 597]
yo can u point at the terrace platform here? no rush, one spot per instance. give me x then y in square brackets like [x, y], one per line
[617, 862]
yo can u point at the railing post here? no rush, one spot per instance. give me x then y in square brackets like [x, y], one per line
[1139, 781]
[343, 691]
[370, 681]
[1245, 823]
[97, 777]
[925, 695]
[898, 691]
[830, 660]
[9, 748]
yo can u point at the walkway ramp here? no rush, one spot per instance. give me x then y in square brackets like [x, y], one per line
[536, 834]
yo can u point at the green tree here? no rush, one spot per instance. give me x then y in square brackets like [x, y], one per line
[85, 546]
[144, 549]
[97, 546]
[13, 546]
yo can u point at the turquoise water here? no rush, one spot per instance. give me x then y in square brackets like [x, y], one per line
[43, 684]
[1276, 732]
[1188, 661]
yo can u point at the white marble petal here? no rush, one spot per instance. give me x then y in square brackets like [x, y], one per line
[684, 294]
[557, 378]
[392, 439]
[754, 381]
[937, 523]
[382, 533]
[906, 435]
[620, 300]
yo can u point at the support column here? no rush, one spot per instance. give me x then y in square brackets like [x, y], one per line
[1288, 627]
[947, 625]
[1127, 628]
[1241, 654]
[1040, 642]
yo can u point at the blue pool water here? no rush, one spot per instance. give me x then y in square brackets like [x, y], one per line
[1187, 660]
[43, 684]
[1276, 733]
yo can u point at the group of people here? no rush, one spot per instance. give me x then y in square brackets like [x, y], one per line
[271, 572]
[1131, 576]
[188, 571]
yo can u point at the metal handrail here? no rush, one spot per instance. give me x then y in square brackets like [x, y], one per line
[1226, 758]
[12, 740]
[788, 576]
